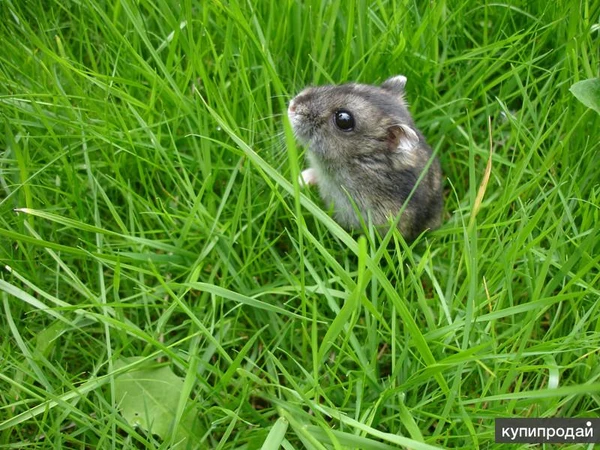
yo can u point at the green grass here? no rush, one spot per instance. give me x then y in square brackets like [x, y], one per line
[149, 214]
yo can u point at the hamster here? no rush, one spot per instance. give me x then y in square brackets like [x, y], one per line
[366, 154]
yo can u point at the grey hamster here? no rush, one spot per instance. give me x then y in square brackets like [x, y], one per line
[363, 144]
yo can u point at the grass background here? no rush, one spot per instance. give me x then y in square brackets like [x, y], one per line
[148, 209]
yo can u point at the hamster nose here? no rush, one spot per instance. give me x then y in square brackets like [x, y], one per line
[292, 107]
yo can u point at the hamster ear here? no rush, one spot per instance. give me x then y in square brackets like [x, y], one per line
[402, 137]
[395, 84]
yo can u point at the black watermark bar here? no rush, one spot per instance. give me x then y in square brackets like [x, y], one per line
[553, 430]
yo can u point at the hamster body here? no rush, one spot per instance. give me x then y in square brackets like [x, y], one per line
[365, 150]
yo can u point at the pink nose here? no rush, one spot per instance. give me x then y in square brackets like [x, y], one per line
[292, 107]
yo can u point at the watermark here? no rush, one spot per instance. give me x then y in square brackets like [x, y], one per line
[554, 430]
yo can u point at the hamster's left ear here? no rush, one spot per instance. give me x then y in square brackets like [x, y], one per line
[395, 84]
[401, 138]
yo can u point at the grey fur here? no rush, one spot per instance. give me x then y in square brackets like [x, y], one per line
[377, 163]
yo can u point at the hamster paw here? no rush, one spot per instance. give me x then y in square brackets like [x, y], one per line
[308, 177]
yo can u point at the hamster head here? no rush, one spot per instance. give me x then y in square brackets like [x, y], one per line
[352, 120]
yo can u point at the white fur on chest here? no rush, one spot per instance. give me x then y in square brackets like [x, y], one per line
[337, 191]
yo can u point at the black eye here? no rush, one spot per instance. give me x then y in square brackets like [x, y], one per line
[343, 120]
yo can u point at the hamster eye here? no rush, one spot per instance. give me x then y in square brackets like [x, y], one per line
[343, 120]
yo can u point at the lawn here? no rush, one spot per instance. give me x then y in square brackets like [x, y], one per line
[166, 283]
